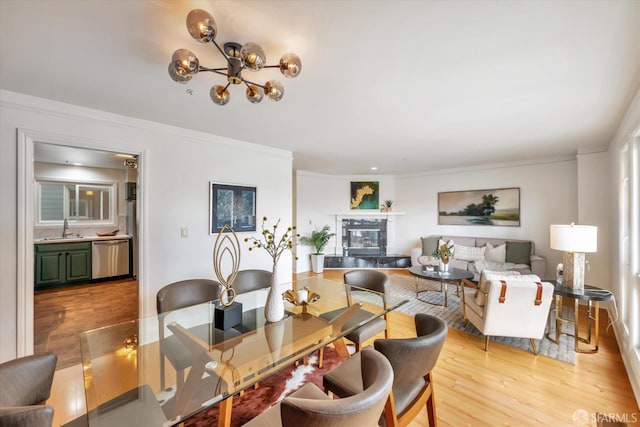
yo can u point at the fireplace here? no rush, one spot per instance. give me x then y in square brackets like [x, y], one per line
[364, 237]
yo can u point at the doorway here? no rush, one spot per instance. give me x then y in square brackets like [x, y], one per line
[27, 233]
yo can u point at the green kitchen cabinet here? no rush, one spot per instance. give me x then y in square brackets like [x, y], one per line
[61, 263]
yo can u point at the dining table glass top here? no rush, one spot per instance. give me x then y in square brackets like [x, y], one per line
[124, 370]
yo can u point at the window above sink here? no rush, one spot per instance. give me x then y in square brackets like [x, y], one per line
[81, 203]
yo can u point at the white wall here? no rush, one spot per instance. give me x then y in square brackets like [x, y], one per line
[320, 197]
[176, 167]
[548, 195]
[593, 209]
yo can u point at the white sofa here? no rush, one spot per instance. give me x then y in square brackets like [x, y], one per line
[535, 264]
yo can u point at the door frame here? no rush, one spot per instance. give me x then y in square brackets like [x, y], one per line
[26, 139]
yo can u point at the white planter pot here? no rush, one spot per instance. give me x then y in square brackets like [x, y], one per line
[317, 263]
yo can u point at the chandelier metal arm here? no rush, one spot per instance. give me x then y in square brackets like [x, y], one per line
[249, 82]
[225, 56]
[214, 70]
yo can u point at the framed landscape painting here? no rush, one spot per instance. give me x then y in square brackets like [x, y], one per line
[500, 206]
[232, 204]
[364, 195]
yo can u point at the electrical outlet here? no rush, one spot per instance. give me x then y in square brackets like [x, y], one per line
[184, 232]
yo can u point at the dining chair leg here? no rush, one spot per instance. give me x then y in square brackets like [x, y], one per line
[486, 343]
[431, 403]
[533, 346]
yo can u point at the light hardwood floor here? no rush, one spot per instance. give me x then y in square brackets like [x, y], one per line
[504, 386]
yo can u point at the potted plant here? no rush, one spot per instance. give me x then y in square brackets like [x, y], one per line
[318, 240]
[387, 205]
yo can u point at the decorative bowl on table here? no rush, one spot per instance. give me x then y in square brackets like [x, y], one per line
[292, 297]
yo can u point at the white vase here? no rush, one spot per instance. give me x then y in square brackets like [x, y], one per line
[444, 267]
[317, 263]
[274, 307]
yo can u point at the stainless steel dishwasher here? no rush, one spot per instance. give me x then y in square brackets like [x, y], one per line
[109, 258]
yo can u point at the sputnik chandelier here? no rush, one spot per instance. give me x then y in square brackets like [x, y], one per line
[250, 56]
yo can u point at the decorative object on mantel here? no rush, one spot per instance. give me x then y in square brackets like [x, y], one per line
[274, 307]
[227, 246]
[318, 240]
[364, 195]
[574, 240]
[250, 56]
[500, 206]
[387, 205]
[444, 253]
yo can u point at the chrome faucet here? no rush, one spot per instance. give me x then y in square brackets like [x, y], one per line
[65, 229]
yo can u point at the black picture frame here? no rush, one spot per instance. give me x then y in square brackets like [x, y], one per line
[492, 207]
[232, 204]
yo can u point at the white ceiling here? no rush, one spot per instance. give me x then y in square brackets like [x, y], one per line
[407, 86]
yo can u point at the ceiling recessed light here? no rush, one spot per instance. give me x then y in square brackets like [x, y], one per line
[374, 168]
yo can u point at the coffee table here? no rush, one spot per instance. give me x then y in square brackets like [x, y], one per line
[452, 277]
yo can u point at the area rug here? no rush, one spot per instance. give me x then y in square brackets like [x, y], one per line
[405, 288]
[270, 391]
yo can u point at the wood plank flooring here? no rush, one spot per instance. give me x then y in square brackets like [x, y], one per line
[61, 314]
[504, 386]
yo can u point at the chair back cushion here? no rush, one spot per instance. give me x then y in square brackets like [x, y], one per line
[251, 280]
[518, 315]
[187, 293]
[362, 409]
[368, 279]
[27, 380]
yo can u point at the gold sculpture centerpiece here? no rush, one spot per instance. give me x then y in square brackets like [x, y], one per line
[226, 250]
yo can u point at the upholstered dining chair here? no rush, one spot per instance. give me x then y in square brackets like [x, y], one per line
[251, 280]
[412, 359]
[25, 385]
[175, 296]
[369, 280]
[309, 406]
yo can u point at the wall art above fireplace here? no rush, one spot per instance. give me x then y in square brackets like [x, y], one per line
[364, 195]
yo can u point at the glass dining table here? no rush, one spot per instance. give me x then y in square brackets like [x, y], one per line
[129, 379]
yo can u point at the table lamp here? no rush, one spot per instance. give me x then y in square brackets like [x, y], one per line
[574, 240]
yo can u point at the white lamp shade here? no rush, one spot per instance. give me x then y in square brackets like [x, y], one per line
[574, 238]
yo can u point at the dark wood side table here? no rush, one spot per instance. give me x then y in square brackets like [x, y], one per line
[593, 295]
[454, 276]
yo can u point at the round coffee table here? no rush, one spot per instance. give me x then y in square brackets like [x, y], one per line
[451, 277]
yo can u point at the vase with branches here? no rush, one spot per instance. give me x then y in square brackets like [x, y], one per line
[275, 246]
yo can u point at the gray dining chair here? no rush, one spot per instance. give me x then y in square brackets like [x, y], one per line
[372, 280]
[25, 385]
[174, 296]
[412, 359]
[251, 280]
[309, 406]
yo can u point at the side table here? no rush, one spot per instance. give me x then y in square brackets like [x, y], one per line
[593, 295]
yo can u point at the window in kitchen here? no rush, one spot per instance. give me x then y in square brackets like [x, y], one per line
[82, 203]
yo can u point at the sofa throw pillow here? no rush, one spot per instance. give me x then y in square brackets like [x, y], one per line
[518, 252]
[429, 245]
[495, 254]
[469, 253]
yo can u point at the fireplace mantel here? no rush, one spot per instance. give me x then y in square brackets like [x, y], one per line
[367, 213]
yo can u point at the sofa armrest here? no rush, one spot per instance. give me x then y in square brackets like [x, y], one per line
[415, 254]
[538, 266]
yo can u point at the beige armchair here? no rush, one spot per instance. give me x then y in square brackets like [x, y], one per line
[25, 385]
[507, 304]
